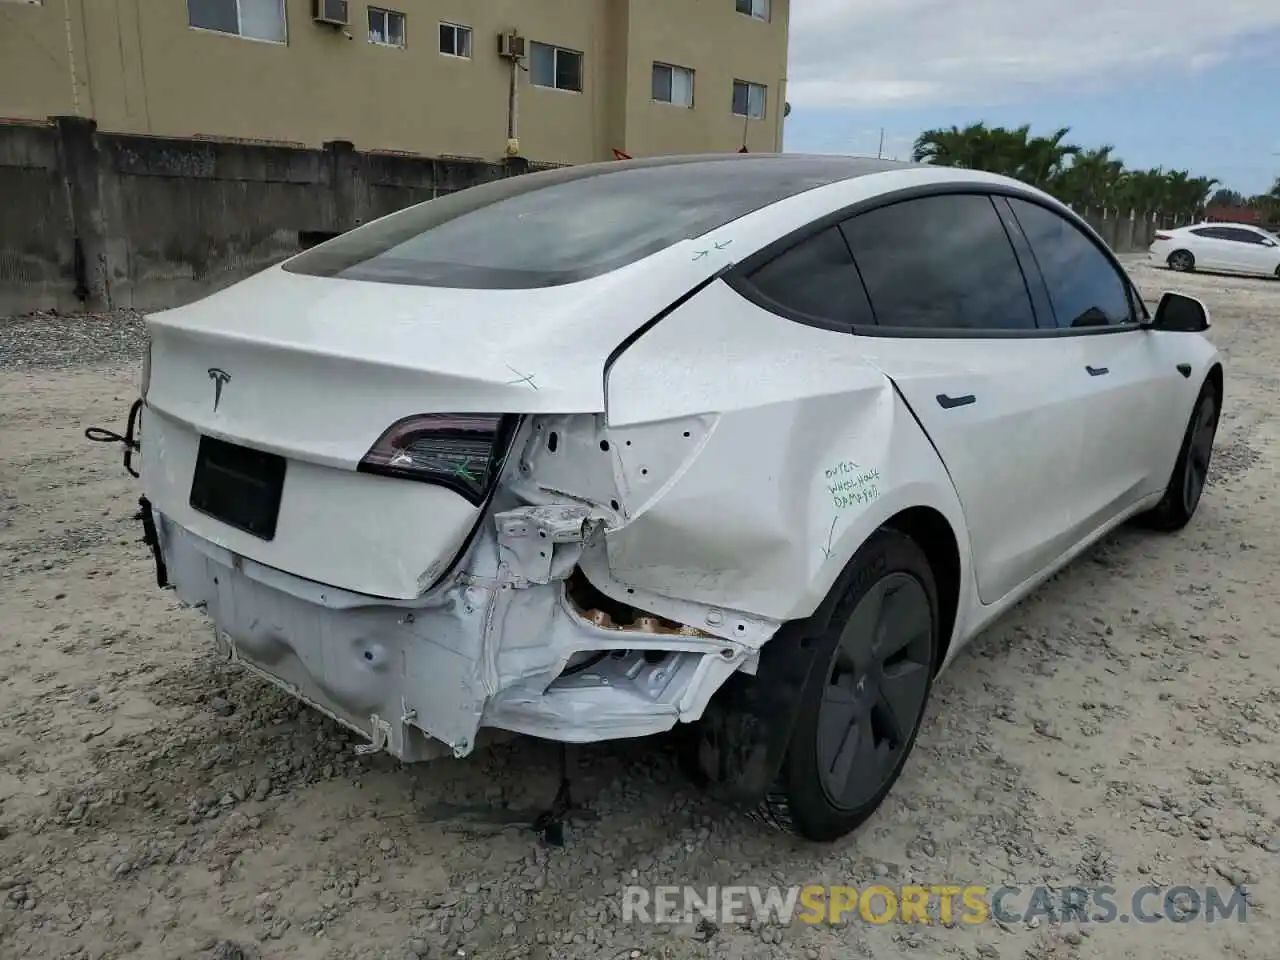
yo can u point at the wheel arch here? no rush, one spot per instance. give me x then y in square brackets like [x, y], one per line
[934, 535]
[1217, 378]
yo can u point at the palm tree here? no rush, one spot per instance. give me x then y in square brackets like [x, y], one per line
[1091, 179]
[950, 148]
[1044, 158]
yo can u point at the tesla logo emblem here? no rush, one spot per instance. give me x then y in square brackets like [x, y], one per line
[219, 377]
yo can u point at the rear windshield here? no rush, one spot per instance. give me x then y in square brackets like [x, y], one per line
[556, 227]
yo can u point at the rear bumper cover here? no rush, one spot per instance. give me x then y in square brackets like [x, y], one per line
[487, 648]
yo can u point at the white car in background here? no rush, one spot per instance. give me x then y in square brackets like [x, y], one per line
[1224, 247]
[753, 444]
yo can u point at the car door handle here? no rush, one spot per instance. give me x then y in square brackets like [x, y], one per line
[946, 402]
[1185, 369]
[1096, 371]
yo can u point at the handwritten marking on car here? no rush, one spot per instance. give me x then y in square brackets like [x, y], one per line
[523, 377]
[850, 486]
[826, 551]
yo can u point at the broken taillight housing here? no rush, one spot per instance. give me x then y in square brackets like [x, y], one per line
[461, 451]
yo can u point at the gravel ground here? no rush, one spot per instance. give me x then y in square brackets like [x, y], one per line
[52, 339]
[1119, 727]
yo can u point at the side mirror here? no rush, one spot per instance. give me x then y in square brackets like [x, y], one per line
[1178, 313]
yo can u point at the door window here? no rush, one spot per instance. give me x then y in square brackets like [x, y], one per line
[1241, 236]
[1085, 287]
[940, 263]
[816, 279]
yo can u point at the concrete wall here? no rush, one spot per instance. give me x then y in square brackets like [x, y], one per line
[137, 66]
[1124, 231]
[37, 238]
[94, 219]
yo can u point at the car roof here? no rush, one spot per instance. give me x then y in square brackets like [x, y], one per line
[1224, 223]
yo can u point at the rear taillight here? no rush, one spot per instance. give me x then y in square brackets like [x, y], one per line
[461, 451]
[1163, 236]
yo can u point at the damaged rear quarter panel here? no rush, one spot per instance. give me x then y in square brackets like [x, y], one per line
[806, 451]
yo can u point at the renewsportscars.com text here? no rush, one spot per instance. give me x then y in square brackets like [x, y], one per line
[938, 903]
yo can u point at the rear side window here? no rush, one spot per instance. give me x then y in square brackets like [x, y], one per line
[1241, 236]
[940, 263]
[1085, 288]
[551, 228]
[817, 278]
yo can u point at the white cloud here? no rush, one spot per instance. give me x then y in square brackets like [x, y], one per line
[876, 53]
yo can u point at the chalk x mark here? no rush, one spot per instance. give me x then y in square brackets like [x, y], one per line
[524, 377]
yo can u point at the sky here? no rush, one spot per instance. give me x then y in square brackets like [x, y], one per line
[1184, 84]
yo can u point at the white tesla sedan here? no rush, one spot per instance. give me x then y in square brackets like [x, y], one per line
[749, 444]
[1221, 247]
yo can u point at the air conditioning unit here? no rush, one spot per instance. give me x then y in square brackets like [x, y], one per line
[511, 46]
[330, 11]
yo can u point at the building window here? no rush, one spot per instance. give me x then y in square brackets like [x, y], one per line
[455, 40]
[673, 85]
[748, 99]
[386, 27]
[555, 67]
[254, 19]
[759, 9]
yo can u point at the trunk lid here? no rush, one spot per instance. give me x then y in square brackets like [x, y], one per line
[313, 370]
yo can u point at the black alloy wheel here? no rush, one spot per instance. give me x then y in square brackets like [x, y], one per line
[862, 705]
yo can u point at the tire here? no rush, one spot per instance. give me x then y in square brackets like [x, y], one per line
[844, 709]
[1182, 261]
[1191, 469]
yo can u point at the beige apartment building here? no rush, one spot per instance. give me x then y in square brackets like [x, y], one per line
[557, 80]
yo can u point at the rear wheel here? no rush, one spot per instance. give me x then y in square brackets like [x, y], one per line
[1191, 470]
[864, 701]
[1182, 261]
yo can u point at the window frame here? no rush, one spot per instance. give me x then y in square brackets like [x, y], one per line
[673, 67]
[284, 21]
[556, 50]
[387, 14]
[766, 17]
[738, 277]
[456, 28]
[764, 100]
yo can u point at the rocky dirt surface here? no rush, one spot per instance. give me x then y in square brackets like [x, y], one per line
[1120, 727]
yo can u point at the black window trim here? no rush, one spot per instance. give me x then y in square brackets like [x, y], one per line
[738, 278]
